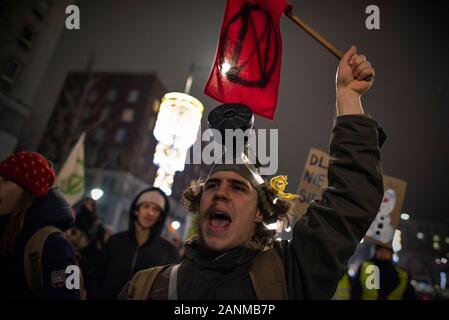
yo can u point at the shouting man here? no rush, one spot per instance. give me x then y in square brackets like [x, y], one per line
[234, 256]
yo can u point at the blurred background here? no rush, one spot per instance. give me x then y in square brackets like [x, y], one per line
[108, 78]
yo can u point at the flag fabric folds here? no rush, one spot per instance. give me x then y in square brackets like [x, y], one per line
[248, 59]
[71, 178]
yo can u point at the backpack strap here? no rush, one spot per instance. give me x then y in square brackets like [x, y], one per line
[33, 258]
[268, 276]
[173, 283]
[142, 283]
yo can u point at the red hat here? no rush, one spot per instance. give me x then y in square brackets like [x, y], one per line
[30, 170]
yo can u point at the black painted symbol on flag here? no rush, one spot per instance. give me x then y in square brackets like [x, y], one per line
[266, 46]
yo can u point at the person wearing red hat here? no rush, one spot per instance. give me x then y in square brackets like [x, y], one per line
[29, 206]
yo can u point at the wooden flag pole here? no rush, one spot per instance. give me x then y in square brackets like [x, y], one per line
[314, 34]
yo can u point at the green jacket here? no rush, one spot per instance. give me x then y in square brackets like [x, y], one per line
[323, 239]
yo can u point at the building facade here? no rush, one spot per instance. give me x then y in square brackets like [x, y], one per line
[118, 112]
[29, 32]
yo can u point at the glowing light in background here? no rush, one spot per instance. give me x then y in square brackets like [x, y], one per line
[176, 225]
[397, 245]
[395, 258]
[178, 120]
[96, 194]
[443, 280]
[176, 128]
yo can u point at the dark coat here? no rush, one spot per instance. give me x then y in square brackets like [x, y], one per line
[389, 280]
[48, 210]
[123, 257]
[89, 227]
[323, 239]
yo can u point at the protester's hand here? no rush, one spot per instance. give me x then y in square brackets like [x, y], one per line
[355, 75]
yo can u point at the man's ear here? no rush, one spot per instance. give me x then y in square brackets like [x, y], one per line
[259, 216]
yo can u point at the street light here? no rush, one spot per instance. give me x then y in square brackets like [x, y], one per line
[175, 225]
[405, 216]
[96, 194]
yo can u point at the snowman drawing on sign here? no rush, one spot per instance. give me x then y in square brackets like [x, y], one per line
[381, 228]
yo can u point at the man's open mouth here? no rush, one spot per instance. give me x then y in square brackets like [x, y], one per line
[219, 221]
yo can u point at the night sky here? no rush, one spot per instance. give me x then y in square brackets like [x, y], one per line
[409, 96]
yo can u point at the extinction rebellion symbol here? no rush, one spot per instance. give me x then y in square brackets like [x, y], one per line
[75, 182]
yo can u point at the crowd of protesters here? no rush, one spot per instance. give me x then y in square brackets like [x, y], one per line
[42, 237]
[231, 254]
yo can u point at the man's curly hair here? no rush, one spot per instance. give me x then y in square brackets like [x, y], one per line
[273, 208]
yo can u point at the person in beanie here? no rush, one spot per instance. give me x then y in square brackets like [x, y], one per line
[141, 247]
[29, 205]
[234, 256]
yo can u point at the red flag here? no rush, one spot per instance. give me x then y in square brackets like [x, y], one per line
[248, 60]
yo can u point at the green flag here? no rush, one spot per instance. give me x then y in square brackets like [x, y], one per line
[71, 177]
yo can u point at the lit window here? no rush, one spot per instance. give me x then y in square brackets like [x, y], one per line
[133, 96]
[128, 115]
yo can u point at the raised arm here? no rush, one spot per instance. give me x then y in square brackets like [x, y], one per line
[355, 76]
[328, 234]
